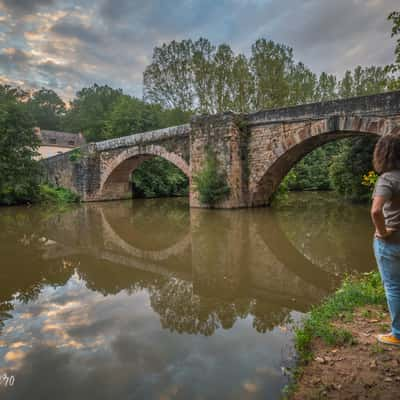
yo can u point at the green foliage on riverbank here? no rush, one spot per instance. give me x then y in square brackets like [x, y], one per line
[159, 178]
[354, 292]
[56, 195]
[209, 182]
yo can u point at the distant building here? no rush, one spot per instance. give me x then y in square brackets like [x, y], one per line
[53, 142]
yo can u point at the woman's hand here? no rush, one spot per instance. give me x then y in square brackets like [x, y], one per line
[377, 217]
[385, 234]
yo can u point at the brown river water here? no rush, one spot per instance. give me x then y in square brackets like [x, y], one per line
[148, 299]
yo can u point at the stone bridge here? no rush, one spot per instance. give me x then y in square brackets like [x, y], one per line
[255, 151]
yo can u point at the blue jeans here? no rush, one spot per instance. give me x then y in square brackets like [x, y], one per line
[388, 259]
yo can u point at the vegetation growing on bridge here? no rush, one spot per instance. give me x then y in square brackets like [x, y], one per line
[57, 195]
[210, 183]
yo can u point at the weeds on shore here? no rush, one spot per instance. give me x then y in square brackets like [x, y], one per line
[354, 292]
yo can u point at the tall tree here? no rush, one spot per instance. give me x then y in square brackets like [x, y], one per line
[197, 76]
[19, 172]
[223, 78]
[302, 85]
[168, 80]
[363, 81]
[394, 68]
[394, 17]
[13, 93]
[369, 80]
[346, 86]
[89, 111]
[326, 88]
[46, 108]
[203, 70]
[127, 116]
[242, 85]
[271, 64]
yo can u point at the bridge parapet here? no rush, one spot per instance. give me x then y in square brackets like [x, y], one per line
[378, 105]
[144, 138]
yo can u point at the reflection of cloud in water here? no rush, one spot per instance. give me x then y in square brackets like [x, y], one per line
[78, 341]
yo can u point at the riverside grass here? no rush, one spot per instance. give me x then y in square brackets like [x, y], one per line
[355, 291]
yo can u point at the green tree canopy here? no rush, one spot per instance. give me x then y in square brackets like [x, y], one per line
[198, 76]
[19, 172]
[90, 110]
[46, 108]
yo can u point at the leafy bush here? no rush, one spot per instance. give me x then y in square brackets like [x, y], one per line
[51, 194]
[350, 165]
[75, 155]
[210, 182]
[310, 173]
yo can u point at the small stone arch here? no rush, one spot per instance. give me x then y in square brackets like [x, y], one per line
[115, 171]
[285, 153]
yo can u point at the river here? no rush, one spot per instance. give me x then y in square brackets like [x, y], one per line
[148, 299]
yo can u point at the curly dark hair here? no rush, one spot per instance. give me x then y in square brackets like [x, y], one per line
[387, 154]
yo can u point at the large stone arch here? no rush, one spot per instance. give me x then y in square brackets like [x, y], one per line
[115, 170]
[285, 153]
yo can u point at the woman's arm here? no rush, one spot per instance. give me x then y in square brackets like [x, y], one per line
[378, 218]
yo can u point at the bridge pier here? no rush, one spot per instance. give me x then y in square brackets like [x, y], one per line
[222, 135]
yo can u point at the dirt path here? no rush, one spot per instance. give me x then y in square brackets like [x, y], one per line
[364, 370]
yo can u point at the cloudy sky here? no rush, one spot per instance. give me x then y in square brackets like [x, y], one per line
[67, 44]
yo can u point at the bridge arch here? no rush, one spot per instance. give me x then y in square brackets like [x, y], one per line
[115, 171]
[285, 153]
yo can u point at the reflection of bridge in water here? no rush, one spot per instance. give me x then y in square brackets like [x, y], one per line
[202, 269]
[223, 255]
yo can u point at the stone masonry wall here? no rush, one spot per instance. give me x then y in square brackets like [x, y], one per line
[221, 135]
[274, 148]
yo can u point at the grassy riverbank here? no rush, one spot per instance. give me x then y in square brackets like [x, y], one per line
[340, 328]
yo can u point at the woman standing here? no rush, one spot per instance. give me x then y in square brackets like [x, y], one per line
[385, 213]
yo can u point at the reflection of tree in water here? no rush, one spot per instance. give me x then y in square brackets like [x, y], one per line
[109, 279]
[184, 312]
[180, 311]
[267, 316]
